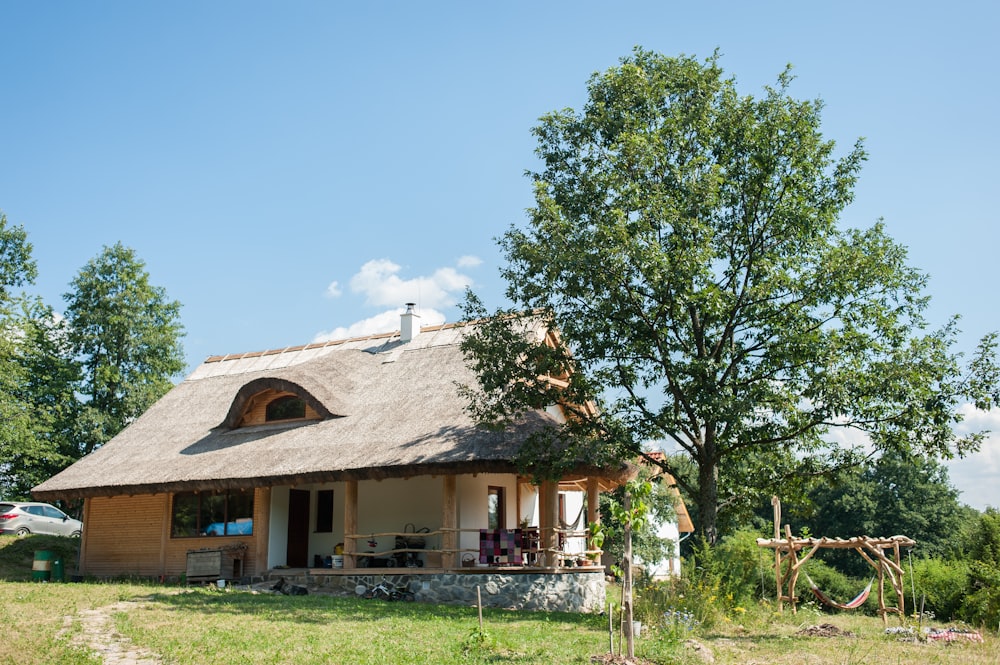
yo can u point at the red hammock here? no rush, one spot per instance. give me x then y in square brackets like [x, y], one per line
[857, 602]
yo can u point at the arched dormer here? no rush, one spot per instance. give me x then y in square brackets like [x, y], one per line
[273, 400]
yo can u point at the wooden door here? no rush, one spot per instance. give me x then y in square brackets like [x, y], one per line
[297, 554]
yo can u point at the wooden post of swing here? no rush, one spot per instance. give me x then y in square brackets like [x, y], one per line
[793, 569]
[898, 583]
[776, 503]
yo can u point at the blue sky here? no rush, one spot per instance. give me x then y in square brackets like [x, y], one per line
[295, 170]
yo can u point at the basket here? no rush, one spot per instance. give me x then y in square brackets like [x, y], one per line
[413, 539]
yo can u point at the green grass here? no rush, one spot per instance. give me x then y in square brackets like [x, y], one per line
[17, 554]
[243, 628]
[196, 626]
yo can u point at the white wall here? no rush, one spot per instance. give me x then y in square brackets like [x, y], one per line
[277, 537]
[472, 505]
[575, 502]
[670, 565]
[389, 505]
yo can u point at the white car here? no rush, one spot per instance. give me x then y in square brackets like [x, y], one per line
[23, 519]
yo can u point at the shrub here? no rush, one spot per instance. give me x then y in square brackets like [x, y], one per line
[716, 582]
[981, 605]
[942, 584]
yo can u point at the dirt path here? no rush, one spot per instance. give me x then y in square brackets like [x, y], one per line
[100, 636]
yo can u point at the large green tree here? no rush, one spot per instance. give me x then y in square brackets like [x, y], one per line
[685, 242]
[127, 334]
[17, 269]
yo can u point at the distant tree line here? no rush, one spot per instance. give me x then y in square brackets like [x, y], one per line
[71, 380]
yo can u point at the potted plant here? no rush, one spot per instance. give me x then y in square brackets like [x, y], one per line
[595, 540]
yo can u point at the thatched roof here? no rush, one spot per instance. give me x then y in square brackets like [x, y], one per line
[388, 409]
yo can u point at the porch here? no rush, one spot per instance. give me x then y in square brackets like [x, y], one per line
[524, 545]
[441, 523]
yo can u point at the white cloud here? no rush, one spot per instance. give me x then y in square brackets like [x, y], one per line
[379, 281]
[978, 475]
[387, 321]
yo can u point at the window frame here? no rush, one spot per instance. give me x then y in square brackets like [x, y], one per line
[232, 512]
[324, 511]
[282, 402]
[496, 519]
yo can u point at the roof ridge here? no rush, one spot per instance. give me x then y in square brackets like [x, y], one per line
[331, 342]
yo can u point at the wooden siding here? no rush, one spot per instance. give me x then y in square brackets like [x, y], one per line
[123, 535]
[130, 535]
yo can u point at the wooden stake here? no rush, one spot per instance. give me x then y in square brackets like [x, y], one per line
[611, 630]
[479, 602]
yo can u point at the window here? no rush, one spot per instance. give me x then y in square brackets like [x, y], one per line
[324, 511]
[289, 407]
[495, 517]
[54, 513]
[212, 514]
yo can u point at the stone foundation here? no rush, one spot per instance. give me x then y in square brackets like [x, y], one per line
[547, 592]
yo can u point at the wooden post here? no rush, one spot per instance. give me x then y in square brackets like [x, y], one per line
[165, 533]
[82, 563]
[449, 520]
[793, 569]
[627, 579]
[776, 504]
[593, 500]
[549, 518]
[261, 528]
[898, 583]
[594, 509]
[350, 522]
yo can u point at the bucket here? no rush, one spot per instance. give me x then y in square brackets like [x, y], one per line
[636, 628]
[41, 567]
[337, 561]
[221, 584]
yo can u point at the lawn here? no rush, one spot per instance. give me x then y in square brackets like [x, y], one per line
[42, 623]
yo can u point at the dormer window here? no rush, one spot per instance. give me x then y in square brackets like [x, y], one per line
[289, 407]
[274, 401]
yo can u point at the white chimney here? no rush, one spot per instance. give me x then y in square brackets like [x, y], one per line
[409, 326]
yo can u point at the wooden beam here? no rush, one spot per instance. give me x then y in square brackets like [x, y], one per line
[165, 533]
[593, 500]
[550, 515]
[350, 522]
[449, 520]
[82, 568]
[261, 530]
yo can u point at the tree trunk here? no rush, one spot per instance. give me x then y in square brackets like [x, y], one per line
[627, 578]
[708, 497]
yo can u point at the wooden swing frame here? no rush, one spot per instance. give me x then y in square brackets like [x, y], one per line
[883, 554]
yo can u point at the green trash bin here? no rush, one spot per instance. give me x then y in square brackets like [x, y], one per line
[57, 569]
[41, 567]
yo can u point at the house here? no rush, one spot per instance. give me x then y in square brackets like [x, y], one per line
[324, 462]
[669, 530]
